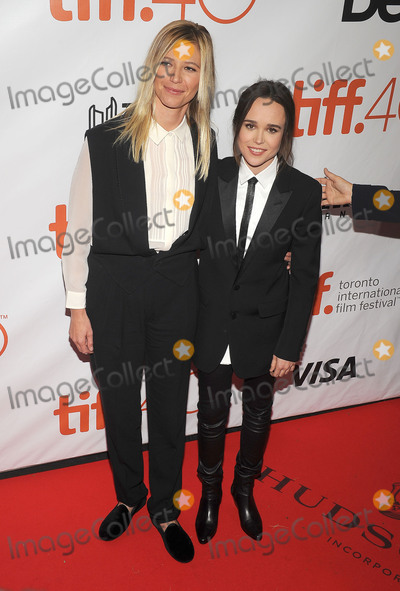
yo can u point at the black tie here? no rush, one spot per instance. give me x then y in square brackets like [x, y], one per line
[244, 226]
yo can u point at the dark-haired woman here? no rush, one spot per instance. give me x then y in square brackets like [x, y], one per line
[253, 313]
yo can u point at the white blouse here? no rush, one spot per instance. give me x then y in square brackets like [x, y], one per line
[169, 170]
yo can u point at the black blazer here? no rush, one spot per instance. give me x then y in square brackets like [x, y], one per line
[364, 208]
[259, 309]
[120, 236]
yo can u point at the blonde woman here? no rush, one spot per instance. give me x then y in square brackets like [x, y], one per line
[142, 185]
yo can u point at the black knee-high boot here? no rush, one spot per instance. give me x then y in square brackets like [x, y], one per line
[214, 404]
[211, 440]
[253, 440]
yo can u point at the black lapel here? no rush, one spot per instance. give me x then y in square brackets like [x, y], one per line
[277, 199]
[131, 188]
[199, 184]
[227, 197]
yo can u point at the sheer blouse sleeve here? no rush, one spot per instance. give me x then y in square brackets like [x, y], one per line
[78, 238]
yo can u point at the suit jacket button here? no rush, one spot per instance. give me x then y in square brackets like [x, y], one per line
[233, 315]
[236, 287]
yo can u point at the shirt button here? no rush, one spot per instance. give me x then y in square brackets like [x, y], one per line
[233, 315]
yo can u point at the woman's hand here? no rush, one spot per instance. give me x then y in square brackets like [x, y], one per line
[280, 367]
[80, 331]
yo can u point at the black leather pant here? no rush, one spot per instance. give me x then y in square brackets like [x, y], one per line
[214, 405]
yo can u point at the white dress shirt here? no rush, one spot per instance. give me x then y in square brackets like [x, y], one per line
[169, 169]
[263, 187]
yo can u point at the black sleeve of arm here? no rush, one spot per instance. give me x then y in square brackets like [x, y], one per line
[364, 208]
[305, 247]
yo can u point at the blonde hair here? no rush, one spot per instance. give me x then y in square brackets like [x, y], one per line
[138, 115]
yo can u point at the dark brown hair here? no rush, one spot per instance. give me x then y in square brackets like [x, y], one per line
[277, 92]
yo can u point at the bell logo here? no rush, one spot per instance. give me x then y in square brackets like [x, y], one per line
[321, 288]
[374, 5]
[64, 411]
[3, 339]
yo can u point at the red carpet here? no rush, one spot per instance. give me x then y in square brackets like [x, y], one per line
[326, 468]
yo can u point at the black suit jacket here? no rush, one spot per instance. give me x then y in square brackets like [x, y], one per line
[259, 309]
[120, 234]
[364, 208]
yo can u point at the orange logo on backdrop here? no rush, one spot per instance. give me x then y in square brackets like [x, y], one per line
[342, 93]
[4, 337]
[146, 14]
[323, 287]
[64, 411]
[347, 99]
[59, 227]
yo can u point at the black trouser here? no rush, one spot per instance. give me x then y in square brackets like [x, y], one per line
[136, 335]
[214, 405]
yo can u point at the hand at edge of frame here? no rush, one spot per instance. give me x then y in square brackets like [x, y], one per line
[335, 189]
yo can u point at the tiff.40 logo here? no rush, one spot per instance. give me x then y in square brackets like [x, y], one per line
[342, 94]
[60, 13]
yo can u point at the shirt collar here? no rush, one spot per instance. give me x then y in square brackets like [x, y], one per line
[158, 133]
[264, 177]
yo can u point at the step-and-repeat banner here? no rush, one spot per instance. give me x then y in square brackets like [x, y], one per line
[70, 64]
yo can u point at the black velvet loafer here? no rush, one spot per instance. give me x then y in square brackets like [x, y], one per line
[117, 521]
[177, 542]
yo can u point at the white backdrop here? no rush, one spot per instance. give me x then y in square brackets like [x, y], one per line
[64, 67]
